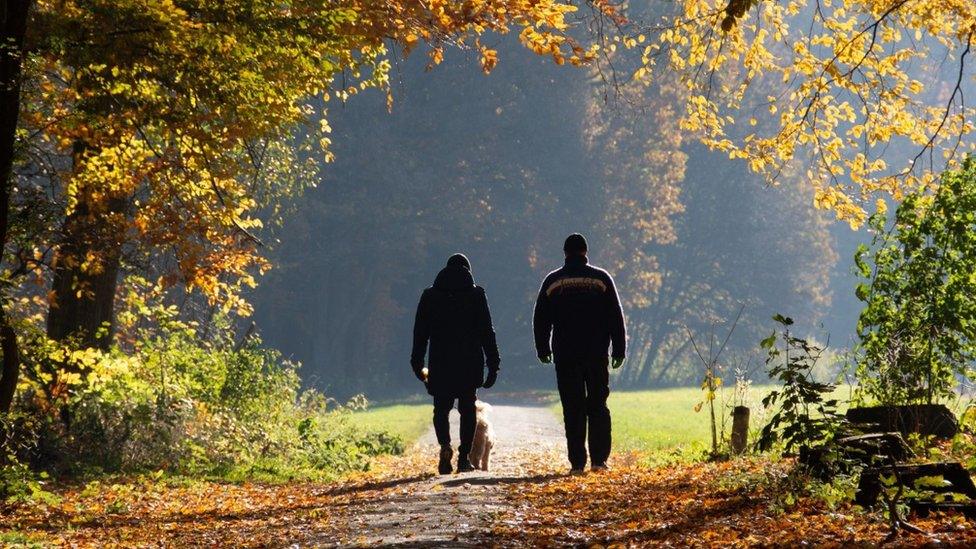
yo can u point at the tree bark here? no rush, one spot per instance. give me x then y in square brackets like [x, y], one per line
[11, 362]
[14, 28]
[83, 305]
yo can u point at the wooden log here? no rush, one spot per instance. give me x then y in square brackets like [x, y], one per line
[924, 508]
[873, 446]
[926, 419]
[853, 451]
[956, 476]
[740, 429]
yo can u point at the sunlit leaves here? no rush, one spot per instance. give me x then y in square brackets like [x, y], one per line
[850, 84]
[175, 125]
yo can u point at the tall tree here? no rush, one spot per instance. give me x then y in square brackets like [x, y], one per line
[735, 243]
[15, 14]
[175, 120]
[169, 129]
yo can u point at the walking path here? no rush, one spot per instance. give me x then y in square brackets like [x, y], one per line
[457, 510]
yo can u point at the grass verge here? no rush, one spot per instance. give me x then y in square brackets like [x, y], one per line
[408, 421]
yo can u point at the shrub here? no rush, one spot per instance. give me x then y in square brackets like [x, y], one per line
[806, 416]
[918, 326]
[177, 403]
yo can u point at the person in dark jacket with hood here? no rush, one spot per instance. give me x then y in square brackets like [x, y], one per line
[453, 317]
[578, 308]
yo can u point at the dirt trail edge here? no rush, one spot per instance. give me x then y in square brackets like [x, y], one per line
[457, 510]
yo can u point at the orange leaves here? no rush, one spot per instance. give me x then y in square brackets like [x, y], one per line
[147, 512]
[741, 503]
[731, 504]
[489, 58]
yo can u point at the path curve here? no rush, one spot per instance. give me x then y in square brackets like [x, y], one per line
[457, 510]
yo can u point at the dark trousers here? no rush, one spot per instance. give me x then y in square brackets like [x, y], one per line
[584, 386]
[442, 426]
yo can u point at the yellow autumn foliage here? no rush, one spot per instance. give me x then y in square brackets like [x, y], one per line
[850, 84]
[172, 124]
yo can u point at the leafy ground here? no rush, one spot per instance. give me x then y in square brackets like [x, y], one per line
[526, 500]
[144, 512]
[741, 503]
[729, 504]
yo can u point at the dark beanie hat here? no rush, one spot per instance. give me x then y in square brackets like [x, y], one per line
[575, 244]
[459, 260]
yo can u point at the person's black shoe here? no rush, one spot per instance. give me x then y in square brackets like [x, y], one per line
[600, 467]
[464, 465]
[444, 467]
[577, 470]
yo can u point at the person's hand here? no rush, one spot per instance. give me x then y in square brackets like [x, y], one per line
[617, 362]
[545, 359]
[491, 379]
[421, 374]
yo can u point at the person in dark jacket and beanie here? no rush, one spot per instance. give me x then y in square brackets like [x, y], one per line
[453, 316]
[578, 308]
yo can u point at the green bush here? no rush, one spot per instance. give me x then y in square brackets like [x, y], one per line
[804, 415]
[918, 325]
[176, 403]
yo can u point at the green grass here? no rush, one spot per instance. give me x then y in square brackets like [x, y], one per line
[660, 419]
[642, 420]
[408, 421]
[664, 420]
[656, 421]
[14, 538]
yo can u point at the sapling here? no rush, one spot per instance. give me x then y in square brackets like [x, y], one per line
[711, 382]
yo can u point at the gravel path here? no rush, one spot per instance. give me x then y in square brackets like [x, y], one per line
[517, 428]
[457, 510]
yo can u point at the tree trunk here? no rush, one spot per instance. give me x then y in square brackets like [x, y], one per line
[14, 27]
[11, 363]
[83, 304]
[666, 367]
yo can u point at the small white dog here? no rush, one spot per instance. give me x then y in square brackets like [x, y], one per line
[484, 437]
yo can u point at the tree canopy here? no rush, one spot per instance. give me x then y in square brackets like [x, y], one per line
[163, 138]
[178, 124]
[160, 137]
[842, 82]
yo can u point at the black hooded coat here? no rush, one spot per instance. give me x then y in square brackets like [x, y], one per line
[453, 317]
